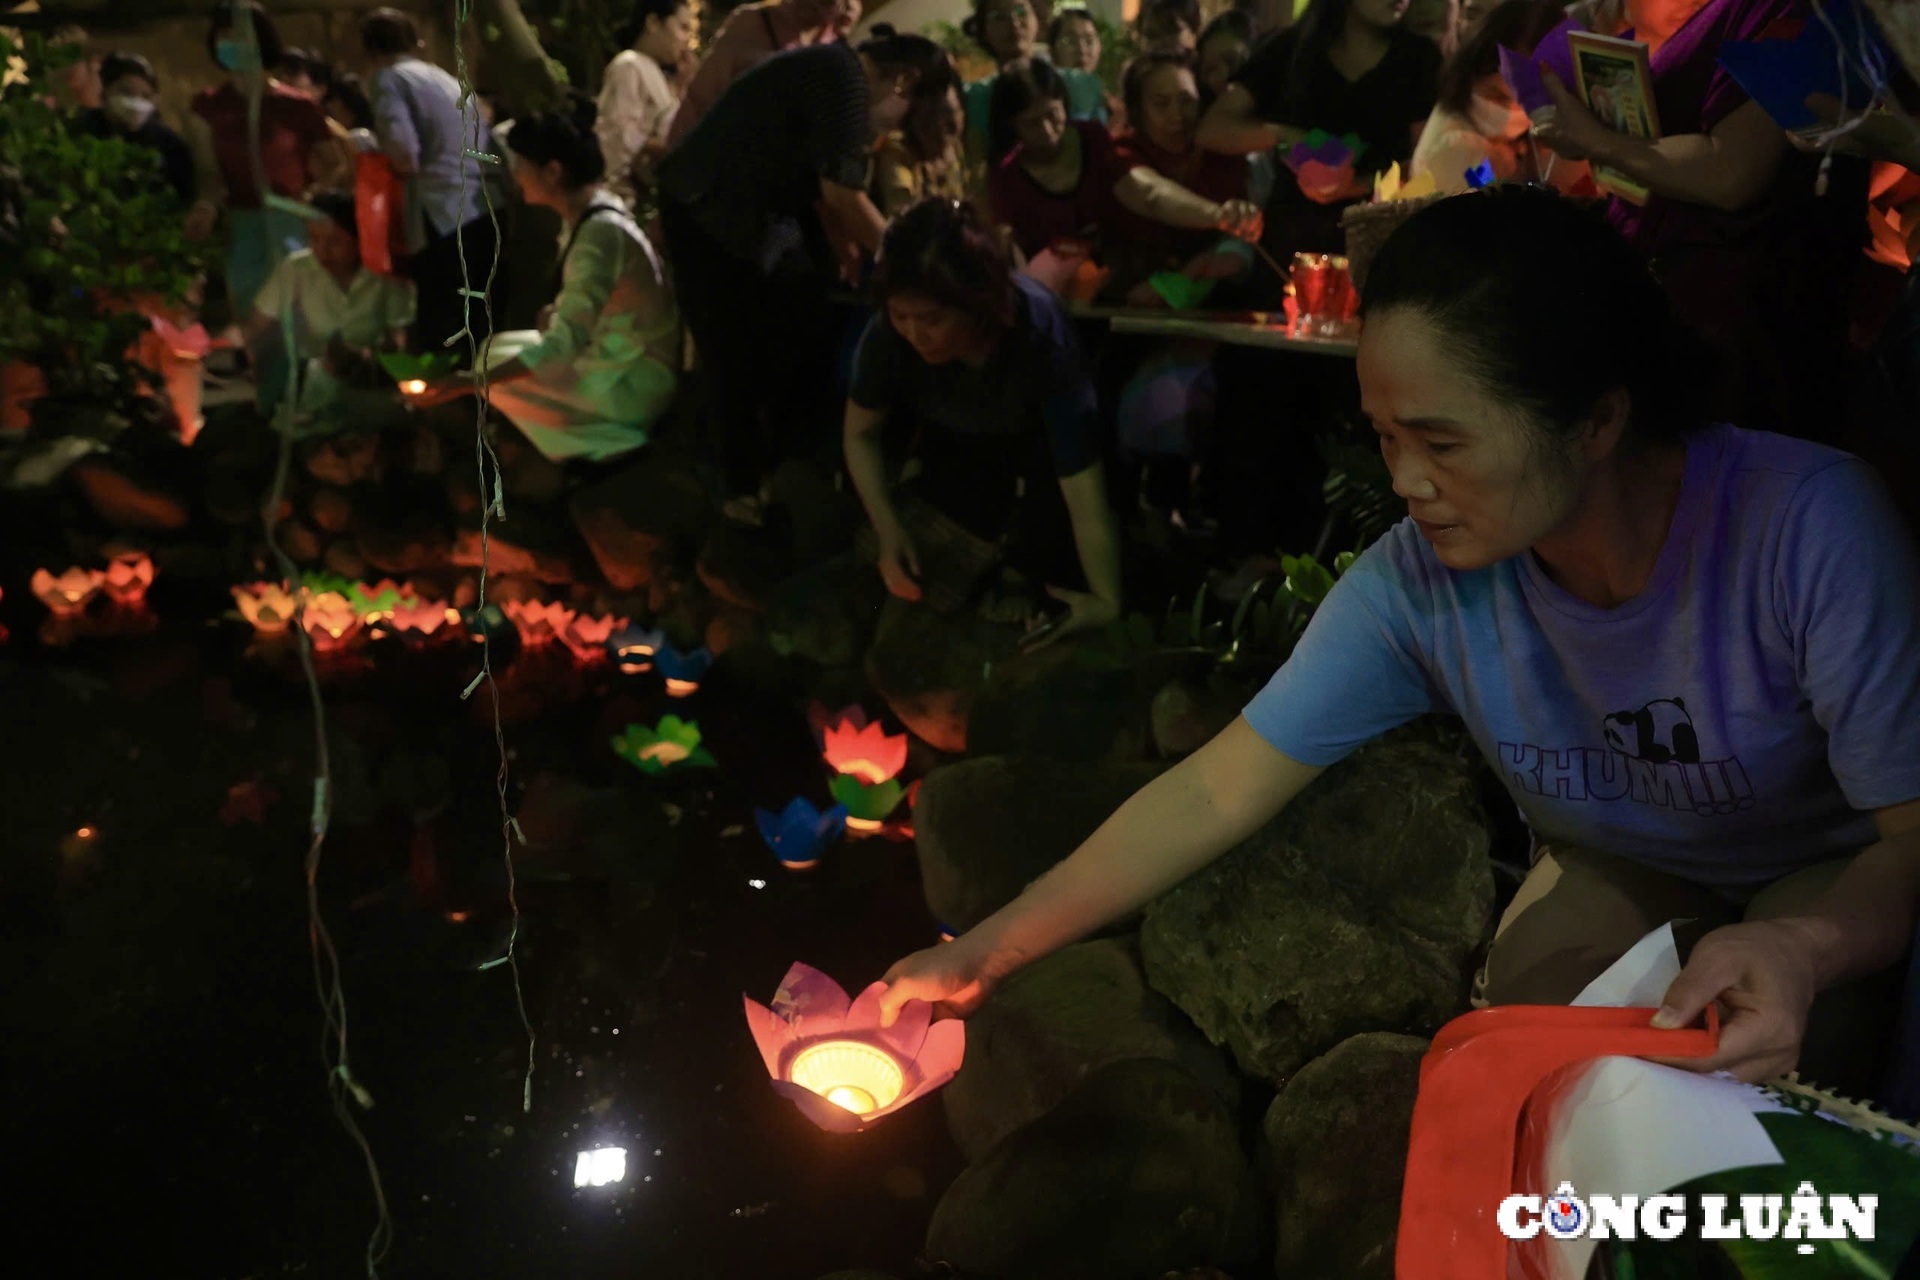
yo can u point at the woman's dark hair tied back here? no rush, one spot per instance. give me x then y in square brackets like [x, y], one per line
[227, 18]
[564, 134]
[938, 250]
[895, 54]
[1014, 90]
[1547, 306]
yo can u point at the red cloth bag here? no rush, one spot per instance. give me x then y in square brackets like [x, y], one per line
[380, 208]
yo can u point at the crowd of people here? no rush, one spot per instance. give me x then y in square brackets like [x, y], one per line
[794, 230]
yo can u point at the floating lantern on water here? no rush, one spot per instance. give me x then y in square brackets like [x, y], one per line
[834, 1060]
[537, 622]
[587, 638]
[683, 671]
[377, 601]
[128, 576]
[421, 619]
[331, 621]
[799, 832]
[867, 806]
[868, 753]
[632, 647]
[267, 606]
[674, 743]
[69, 593]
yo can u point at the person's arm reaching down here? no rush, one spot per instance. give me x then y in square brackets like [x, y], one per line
[1172, 827]
[1233, 126]
[899, 559]
[1157, 198]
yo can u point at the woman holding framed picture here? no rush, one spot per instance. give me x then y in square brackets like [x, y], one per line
[1756, 250]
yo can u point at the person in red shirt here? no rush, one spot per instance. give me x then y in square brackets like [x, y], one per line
[1163, 103]
[291, 126]
[1064, 179]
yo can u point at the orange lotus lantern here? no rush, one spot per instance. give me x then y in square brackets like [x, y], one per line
[537, 622]
[128, 576]
[267, 607]
[834, 1060]
[586, 638]
[868, 753]
[69, 593]
[331, 621]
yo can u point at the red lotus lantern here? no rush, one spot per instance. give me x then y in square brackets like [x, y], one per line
[868, 752]
[69, 593]
[586, 638]
[128, 576]
[331, 621]
[537, 622]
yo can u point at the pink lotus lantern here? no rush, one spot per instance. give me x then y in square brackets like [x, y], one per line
[421, 619]
[70, 592]
[586, 638]
[266, 606]
[868, 753]
[331, 621]
[128, 576]
[538, 623]
[831, 1056]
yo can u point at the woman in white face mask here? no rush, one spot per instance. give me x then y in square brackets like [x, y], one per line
[128, 110]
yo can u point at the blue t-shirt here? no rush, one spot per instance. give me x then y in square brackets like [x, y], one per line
[1736, 721]
[1035, 383]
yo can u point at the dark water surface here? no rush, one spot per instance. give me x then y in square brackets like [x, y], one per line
[168, 1113]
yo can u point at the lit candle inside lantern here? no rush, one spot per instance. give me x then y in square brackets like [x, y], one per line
[681, 688]
[855, 1076]
[413, 386]
[865, 824]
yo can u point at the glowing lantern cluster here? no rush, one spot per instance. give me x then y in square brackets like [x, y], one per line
[683, 672]
[414, 619]
[831, 1057]
[673, 744]
[70, 592]
[128, 576]
[798, 833]
[537, 622]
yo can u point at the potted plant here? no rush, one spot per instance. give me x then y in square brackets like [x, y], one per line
[97, 248]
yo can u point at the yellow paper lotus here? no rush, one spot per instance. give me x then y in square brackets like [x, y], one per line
[68, 593]
[266, 606]
[1391, 186]
[331, 620]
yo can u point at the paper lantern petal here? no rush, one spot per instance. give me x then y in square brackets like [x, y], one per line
[940, 1056]
[769, 1033]
[828, 1116]
[909, 1032]
[863, 1016]
[810, 1001]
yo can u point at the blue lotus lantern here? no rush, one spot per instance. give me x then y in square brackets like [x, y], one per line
[683, 672]
[633, 647]
[798, 833]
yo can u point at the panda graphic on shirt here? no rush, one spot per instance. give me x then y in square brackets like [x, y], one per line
[1651, 755]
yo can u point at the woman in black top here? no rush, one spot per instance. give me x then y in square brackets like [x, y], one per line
[1347, 67]
[760, 204]
[127, 111]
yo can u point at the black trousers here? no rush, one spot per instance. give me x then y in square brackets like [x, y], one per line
[437, 277]
[766, 347]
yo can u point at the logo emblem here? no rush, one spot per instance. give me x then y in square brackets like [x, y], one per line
[1566, 1213]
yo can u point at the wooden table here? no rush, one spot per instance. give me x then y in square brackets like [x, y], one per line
[1240, 330]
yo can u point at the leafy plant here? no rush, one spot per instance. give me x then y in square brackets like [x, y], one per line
[100, 238]
[1358, 489]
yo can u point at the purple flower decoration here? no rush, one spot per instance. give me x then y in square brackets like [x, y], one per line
[1481, 175]
[798, 833]
[1324, 148]
[1521, 71]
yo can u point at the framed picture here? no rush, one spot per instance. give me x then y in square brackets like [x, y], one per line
[1616, 79]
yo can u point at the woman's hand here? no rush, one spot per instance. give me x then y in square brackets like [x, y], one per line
[1085, 612]
[1572, 132]
[899, 563]
[1241, 219]
[442, 390]
[1762, 974]
[954, 977]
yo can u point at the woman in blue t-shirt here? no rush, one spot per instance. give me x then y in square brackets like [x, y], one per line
[1690, 652]
[985, 365]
